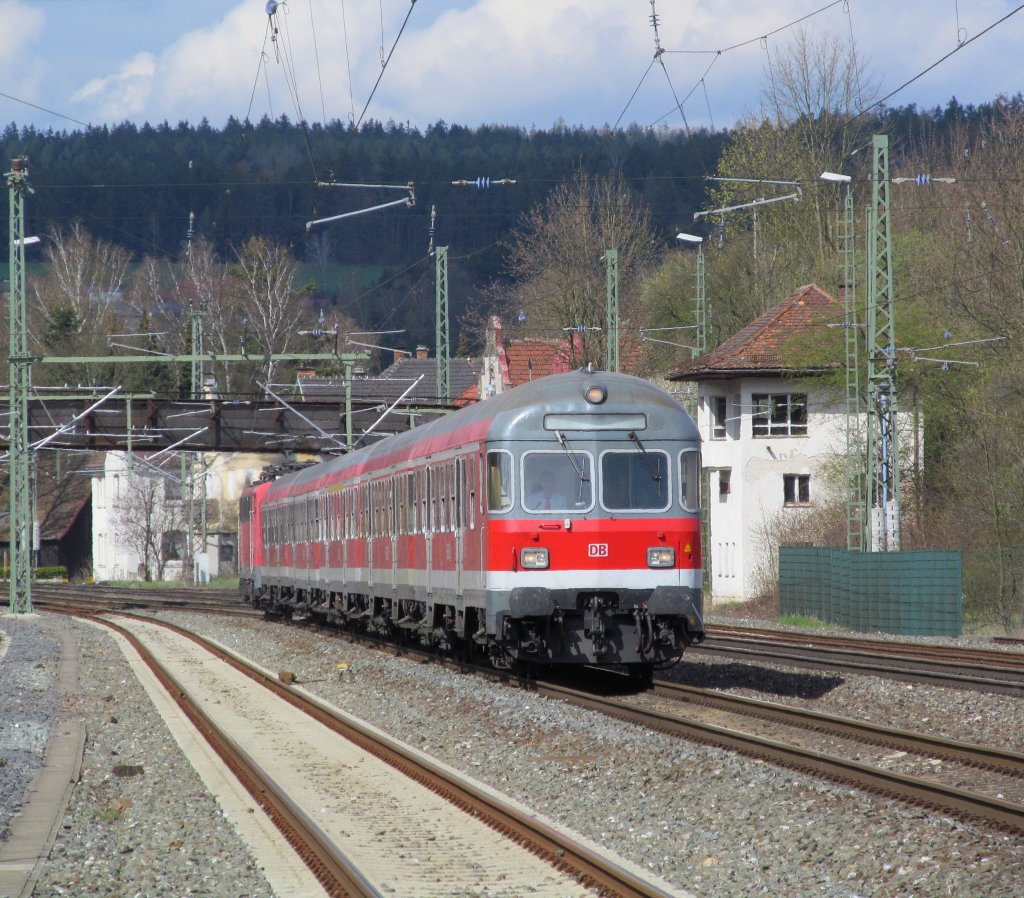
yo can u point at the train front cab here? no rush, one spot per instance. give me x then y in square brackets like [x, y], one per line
[605, 568]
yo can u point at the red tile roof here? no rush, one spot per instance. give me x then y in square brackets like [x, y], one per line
[758, 347]
[524, 360]
[528, 359]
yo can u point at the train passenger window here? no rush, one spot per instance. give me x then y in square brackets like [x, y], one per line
[499, 481]
[689, 480]
[460, 494]
[635, 481]
[557, 481]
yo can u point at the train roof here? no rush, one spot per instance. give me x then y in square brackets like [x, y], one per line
[530, 411]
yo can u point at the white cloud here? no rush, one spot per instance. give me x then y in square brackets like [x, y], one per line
[528, 62]
[122, 95]
[22, 29]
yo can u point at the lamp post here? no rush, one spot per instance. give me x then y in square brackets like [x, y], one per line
[701, 317]
[856, 520]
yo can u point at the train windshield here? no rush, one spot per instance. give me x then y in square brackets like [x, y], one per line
[557, 481]
[635, 481]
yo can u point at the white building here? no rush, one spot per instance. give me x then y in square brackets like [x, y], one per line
[770, 431]
[146, 503]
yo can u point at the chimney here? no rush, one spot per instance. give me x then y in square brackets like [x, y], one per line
[422, 352]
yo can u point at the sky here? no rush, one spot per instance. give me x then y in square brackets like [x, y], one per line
[69, 64]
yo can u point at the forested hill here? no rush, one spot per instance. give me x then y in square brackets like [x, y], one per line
[136, 186]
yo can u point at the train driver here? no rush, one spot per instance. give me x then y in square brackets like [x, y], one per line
[547, 496]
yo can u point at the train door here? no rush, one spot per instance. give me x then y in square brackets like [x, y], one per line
[459, 516]
[323, 537]
[429, 520]
[346, 531]
[371, 532]
[394, 484]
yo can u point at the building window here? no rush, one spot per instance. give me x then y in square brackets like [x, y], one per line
[779, 414]
[724, 484]
[172, 488]
[173, 545]
[718, 415]
[796, 489]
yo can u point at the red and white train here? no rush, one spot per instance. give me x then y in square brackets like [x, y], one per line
[556, 523]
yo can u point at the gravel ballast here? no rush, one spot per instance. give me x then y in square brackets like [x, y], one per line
[714, 823]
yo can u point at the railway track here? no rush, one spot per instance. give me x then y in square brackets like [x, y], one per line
[123, 598]
[343, 870]
[964, 668]
[963, 780]
[729, 728]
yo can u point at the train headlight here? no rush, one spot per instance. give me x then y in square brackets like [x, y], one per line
[533, 558]
[661, 556]
[595, 394]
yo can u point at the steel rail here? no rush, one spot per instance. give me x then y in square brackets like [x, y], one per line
[589, 867]
[971, 754]
[1003, 815]
[964, 656]
[982, 677]
[332, 869]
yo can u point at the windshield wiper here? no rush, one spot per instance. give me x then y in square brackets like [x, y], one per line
[652, 468]
[580, 470]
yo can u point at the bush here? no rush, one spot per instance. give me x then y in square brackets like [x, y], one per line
[50, 572]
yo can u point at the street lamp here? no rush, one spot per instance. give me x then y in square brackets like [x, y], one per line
[701, 343]
[857, 534]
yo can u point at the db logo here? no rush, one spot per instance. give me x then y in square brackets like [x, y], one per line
[597, 550]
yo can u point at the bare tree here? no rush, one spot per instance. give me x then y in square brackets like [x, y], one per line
[75, 298]
[148, 522]
[205, 284]
[556, 259]
[320, 251]
[267, 298]
[808, 123]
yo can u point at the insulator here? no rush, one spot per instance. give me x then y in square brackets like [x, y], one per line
[923, 180]
[483, 183]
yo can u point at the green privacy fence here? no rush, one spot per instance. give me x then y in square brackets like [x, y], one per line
[917, 593]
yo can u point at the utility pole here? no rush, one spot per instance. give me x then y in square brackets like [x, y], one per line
[612, 313]
[442, 339]
[883, 476]
[700, 312]
[20, 368]
[442, 335]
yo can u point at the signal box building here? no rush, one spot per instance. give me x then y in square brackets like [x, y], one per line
[770, 430]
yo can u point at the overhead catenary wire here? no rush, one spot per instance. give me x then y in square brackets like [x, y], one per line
[719, 52]
[942, 59]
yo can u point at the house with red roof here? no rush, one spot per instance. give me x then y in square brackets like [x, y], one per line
[770, 424]
[508, 362]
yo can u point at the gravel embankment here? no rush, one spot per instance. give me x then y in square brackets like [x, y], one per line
[713, 823]
[140, 822]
